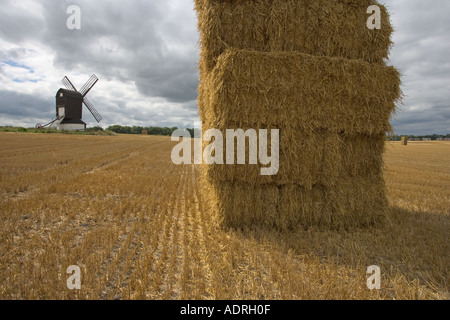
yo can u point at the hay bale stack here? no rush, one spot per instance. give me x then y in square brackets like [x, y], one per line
[314, 71]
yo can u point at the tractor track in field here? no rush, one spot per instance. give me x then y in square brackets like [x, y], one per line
[170, 288]
[162, 255]
[51, 175]
[138, 245]
[114, 161]
[108, 272]
[205, 243]
[147, 258]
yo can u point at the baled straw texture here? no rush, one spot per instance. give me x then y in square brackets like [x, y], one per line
[307, 159]
[294, 90]
[317, 27]
[329, 28]
[349, 204]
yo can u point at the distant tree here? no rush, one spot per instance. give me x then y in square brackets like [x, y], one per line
[136, 130]
[157, 131]
[192, 132]
[95, 129]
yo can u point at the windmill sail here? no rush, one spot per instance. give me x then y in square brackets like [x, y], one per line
[91, 108]
[88, 85]
[68, 84]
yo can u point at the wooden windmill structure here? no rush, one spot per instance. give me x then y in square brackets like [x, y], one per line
[69, 106]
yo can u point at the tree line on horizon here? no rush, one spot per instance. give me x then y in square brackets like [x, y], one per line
[156, 131]
[433, 137]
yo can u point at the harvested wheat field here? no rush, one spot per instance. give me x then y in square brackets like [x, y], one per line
[138, 228]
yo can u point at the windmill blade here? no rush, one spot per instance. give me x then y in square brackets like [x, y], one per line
[91, 108]
[68, 84]
[88, 85]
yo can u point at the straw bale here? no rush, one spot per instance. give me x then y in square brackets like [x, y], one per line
[404, 141]
[306, 158]
[349, 204]
[317, 27]
[231, 24]
[309, 158]
[242, 205]
[362, 156]
[329, 28]
[359, 202]
[294, 90]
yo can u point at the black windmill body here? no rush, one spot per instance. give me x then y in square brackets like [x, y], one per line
[69, 106]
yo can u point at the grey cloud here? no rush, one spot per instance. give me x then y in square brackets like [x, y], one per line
[126, 42]
[420, 52]
[18, 24]
[22, 106]
[436, 117]
[175, 80]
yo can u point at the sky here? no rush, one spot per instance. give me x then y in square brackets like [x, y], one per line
[146, 53]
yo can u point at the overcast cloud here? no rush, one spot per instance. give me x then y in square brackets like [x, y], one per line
[145, 54]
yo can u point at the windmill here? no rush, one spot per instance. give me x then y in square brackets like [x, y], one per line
[69, 106]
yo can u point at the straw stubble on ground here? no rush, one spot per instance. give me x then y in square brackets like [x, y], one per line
[140, 228]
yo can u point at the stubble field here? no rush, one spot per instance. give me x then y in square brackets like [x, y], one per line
[138, 228]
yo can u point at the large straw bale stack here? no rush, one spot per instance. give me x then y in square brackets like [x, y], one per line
[312, 70]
